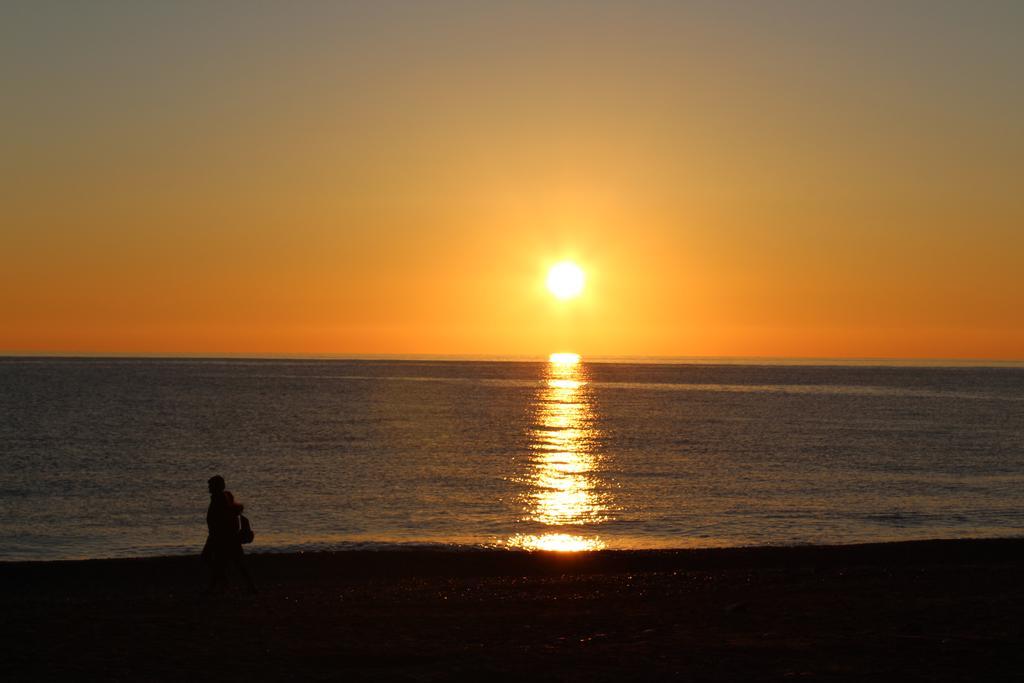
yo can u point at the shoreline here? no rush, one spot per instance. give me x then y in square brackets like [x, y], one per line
[423, 558]
[934, 610]
[584, 558]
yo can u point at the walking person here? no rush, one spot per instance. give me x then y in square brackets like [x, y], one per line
[223, 544]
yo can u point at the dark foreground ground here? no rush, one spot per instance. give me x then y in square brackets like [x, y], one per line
[941, 610]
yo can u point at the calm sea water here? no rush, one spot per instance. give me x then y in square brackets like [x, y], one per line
[109, 457]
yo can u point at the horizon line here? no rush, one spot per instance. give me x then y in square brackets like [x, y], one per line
[521, 358]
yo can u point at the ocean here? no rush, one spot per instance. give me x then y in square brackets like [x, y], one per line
[109, 457]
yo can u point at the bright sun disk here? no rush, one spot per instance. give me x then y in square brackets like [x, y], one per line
[565, 280]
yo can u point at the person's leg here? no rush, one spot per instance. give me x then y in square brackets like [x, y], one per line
[218, 570]
[244, 571]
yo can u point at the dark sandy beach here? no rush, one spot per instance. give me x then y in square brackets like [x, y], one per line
[938, 610]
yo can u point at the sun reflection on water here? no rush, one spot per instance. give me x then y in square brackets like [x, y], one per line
[557, 542]
[564, 488]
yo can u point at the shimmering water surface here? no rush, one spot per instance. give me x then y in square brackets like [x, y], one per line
[109, 457]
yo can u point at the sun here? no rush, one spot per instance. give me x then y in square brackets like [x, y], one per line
[565, 280]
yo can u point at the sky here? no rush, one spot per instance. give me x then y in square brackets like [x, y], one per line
[792, 179]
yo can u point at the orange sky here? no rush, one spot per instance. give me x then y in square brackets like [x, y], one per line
[777, 180]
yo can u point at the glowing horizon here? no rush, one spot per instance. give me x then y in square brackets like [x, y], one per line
[348, 179]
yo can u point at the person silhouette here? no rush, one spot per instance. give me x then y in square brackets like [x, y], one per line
[223, 546]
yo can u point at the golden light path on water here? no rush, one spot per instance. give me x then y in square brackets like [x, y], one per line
[562, 479]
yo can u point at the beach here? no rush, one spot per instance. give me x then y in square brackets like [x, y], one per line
[931, 610]
[497, 341]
